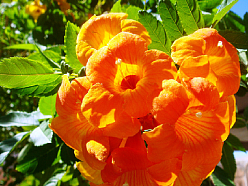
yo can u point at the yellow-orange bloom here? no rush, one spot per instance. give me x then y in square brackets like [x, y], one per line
[207, 54]
[35, 9]
[99, 30]
[193, 125]
[124, 75]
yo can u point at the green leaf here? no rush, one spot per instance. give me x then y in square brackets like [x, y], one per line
[133, 12]
[156, 31]
[17, 118]
[235, 142]
[8, 145]
[246, 22]
[220, 177]
[116, 7]
[46, 89]
[228, 161]
[70, 38]
[47, 105]
[237, 38]
[225, 6]
[22, 72]
[233, 22]
[38, 159]
[56, 177]
[170, 20]
[208, 5]
[22, 47]
[67, 155]
[49, 54]
[42, 134]
[190, 15]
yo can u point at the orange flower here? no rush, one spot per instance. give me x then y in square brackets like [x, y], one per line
[125, 76]
[207, 54]
[99, 30]
[128, 164]
[193, 125]
[75, 130]
[35, 9]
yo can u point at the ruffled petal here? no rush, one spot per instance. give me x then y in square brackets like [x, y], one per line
[171, 103]
[163, 143]
[71, 125]
[202, 133]
[165, 173]
[97, 32]
[89, 173]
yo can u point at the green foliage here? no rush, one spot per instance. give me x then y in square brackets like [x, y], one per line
[170, 20]
[35, 55]
[156, 31]
[190, 15]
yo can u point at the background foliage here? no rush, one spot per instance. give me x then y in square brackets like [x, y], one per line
[39, 53]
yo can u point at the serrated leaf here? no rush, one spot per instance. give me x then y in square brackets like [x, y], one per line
[228, 161]
[38, 159]
[22, 47]
[49, 54]
[8, 145]
[220, 177]
[20, 72]
[42, 134]
[208, 5]
[170, 20]
[225, 6]
[70, 38]
[56, 177]
[46, 89]
[47, 105]
[17, 118]
[237, 38]
[156, 31]
[190, 15]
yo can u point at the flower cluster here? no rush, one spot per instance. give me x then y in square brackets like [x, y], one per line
[137, 120]
[35, 9]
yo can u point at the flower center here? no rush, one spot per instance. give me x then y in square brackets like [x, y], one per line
[148, 122]
[129, 82]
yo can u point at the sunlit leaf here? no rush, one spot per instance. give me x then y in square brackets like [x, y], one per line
[22, 47]
[225, 6]
[8, 145]
[29, 77]
[220, 178]
[116, 7]
[208, 5]
[71, 33]
[47, 105]
[38, 158]
[170, 20]
[156, 31]
[17, 118]
[228, 161]
[42, 134]
[133, 12]
[190, 15]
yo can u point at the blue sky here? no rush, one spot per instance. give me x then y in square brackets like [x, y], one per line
[240, 8]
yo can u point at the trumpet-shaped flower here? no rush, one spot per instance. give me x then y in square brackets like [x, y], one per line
[207, 54]
[75, 130]
[124, 75]
[193, 125]
[99, 30]
[35, 9]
